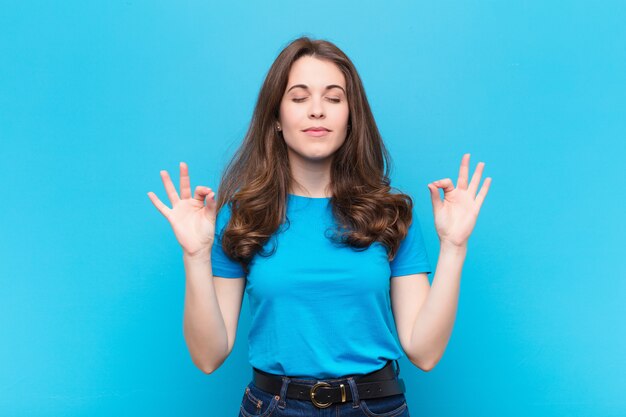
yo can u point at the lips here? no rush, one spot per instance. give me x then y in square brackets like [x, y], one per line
[316, 129]
[316, 132]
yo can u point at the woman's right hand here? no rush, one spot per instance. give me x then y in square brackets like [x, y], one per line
[193, 221]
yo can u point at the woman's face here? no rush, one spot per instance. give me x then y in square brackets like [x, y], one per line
[315, 97]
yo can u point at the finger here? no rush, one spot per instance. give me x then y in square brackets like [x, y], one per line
[201, 193]
[446, 184]
[478, 173]
[165, 210]
[185, 185]
[434, 196]
[463, 172]
[483, 192]
[205, 194]
[169, 188]
[211, 205]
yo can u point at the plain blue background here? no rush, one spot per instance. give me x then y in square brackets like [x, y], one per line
[97, 97]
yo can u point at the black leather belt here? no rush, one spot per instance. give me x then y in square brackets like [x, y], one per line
[323, 393]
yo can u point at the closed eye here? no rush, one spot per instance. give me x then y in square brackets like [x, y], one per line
[332, 99]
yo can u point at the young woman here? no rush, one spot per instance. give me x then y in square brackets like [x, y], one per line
[307, 225]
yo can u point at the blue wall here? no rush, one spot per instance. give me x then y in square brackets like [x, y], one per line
[97, 97]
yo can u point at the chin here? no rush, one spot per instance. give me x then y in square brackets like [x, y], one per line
[313, 153]
[318, 158]
[314, 157]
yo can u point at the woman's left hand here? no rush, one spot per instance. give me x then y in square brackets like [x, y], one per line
[456, 214]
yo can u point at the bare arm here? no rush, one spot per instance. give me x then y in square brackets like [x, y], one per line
[425, 315]
[433, 326]
[212, 304]
[212, 307]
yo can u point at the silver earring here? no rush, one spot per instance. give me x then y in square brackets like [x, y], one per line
[278, 126]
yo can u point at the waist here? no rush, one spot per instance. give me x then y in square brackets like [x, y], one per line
[324, 392]
[386, 372]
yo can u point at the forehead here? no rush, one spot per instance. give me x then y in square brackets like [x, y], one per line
[316, 73]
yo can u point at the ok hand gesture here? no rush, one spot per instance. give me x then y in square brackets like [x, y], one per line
[456, 215]
[193, 221]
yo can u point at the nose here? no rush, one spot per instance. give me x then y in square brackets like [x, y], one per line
[316, 111]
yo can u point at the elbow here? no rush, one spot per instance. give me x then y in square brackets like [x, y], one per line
[204, 366]
[207, 366]
[207, 369]
[425, 364]
[208, 363]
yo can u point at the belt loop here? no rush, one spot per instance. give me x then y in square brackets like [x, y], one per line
[283, 392]
[355, 392]
[397, 367]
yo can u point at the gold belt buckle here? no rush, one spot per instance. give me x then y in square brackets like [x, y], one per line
[313, 400]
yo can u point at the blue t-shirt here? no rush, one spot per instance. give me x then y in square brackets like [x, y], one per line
[320, 310]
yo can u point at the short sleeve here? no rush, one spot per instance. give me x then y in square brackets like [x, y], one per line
[221, 264]
[411, 257]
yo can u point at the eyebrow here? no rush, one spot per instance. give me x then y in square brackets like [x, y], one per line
[328, 87]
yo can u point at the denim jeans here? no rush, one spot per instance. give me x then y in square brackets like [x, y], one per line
[259, 403]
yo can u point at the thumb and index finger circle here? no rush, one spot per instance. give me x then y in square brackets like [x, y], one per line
[447, 186]
[434, 196]
[201, 193]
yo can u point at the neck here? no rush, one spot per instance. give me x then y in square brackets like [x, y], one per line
[310, 178]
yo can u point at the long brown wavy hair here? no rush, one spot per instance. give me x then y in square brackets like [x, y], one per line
[257, 180]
